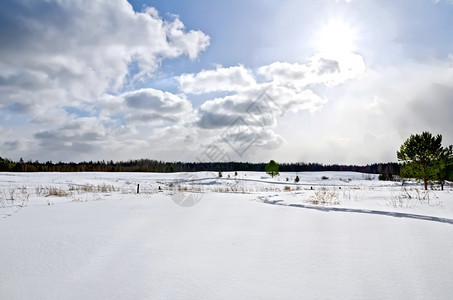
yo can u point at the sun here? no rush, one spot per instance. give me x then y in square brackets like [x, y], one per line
[336, 37]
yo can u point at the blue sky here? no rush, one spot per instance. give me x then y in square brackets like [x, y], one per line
[343, 81]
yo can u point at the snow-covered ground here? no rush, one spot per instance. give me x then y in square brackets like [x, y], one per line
[196, 236]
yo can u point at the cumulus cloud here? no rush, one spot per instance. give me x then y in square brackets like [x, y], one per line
[252, 107]
[290, 99]
[242, 139]
[287, 89]
[147, 106]
[190, 43]
[57, 52]
[156, 101]
[234, 79]
[320, 70]
[259, 107]
[59, 56]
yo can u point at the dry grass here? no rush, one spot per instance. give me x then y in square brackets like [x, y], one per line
[14, 197]
[411, 197]
[89, 188]
[230, 189]
[51, 191]
[350, 194]
[77, 192]
[74, 189]
[325, 196]
[173, 188]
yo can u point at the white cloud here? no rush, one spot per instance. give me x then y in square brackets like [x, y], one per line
[156, 101]
[150, 105]
[287, 89]
[222, 112]
[236, 78]
[66, 52]
[82, 54]
[321, 69]
[290, 99]
[190, 43]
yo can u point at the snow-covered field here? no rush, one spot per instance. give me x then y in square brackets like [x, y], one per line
[333, 235]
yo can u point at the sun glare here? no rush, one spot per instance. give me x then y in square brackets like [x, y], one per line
[336, 37]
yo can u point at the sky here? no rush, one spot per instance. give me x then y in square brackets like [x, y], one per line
[327, 81]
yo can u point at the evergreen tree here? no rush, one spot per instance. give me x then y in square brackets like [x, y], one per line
[272, 168]
[421, 155]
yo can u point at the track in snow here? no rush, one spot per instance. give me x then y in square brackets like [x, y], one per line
[363, 211]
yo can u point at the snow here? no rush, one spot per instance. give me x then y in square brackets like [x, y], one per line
[247, 237]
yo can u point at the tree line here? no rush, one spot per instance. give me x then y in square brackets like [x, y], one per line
[149, 165]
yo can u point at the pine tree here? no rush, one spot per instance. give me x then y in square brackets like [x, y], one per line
[272, 168]
[421, 155]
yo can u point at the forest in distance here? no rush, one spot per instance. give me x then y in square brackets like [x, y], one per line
[148, 165]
